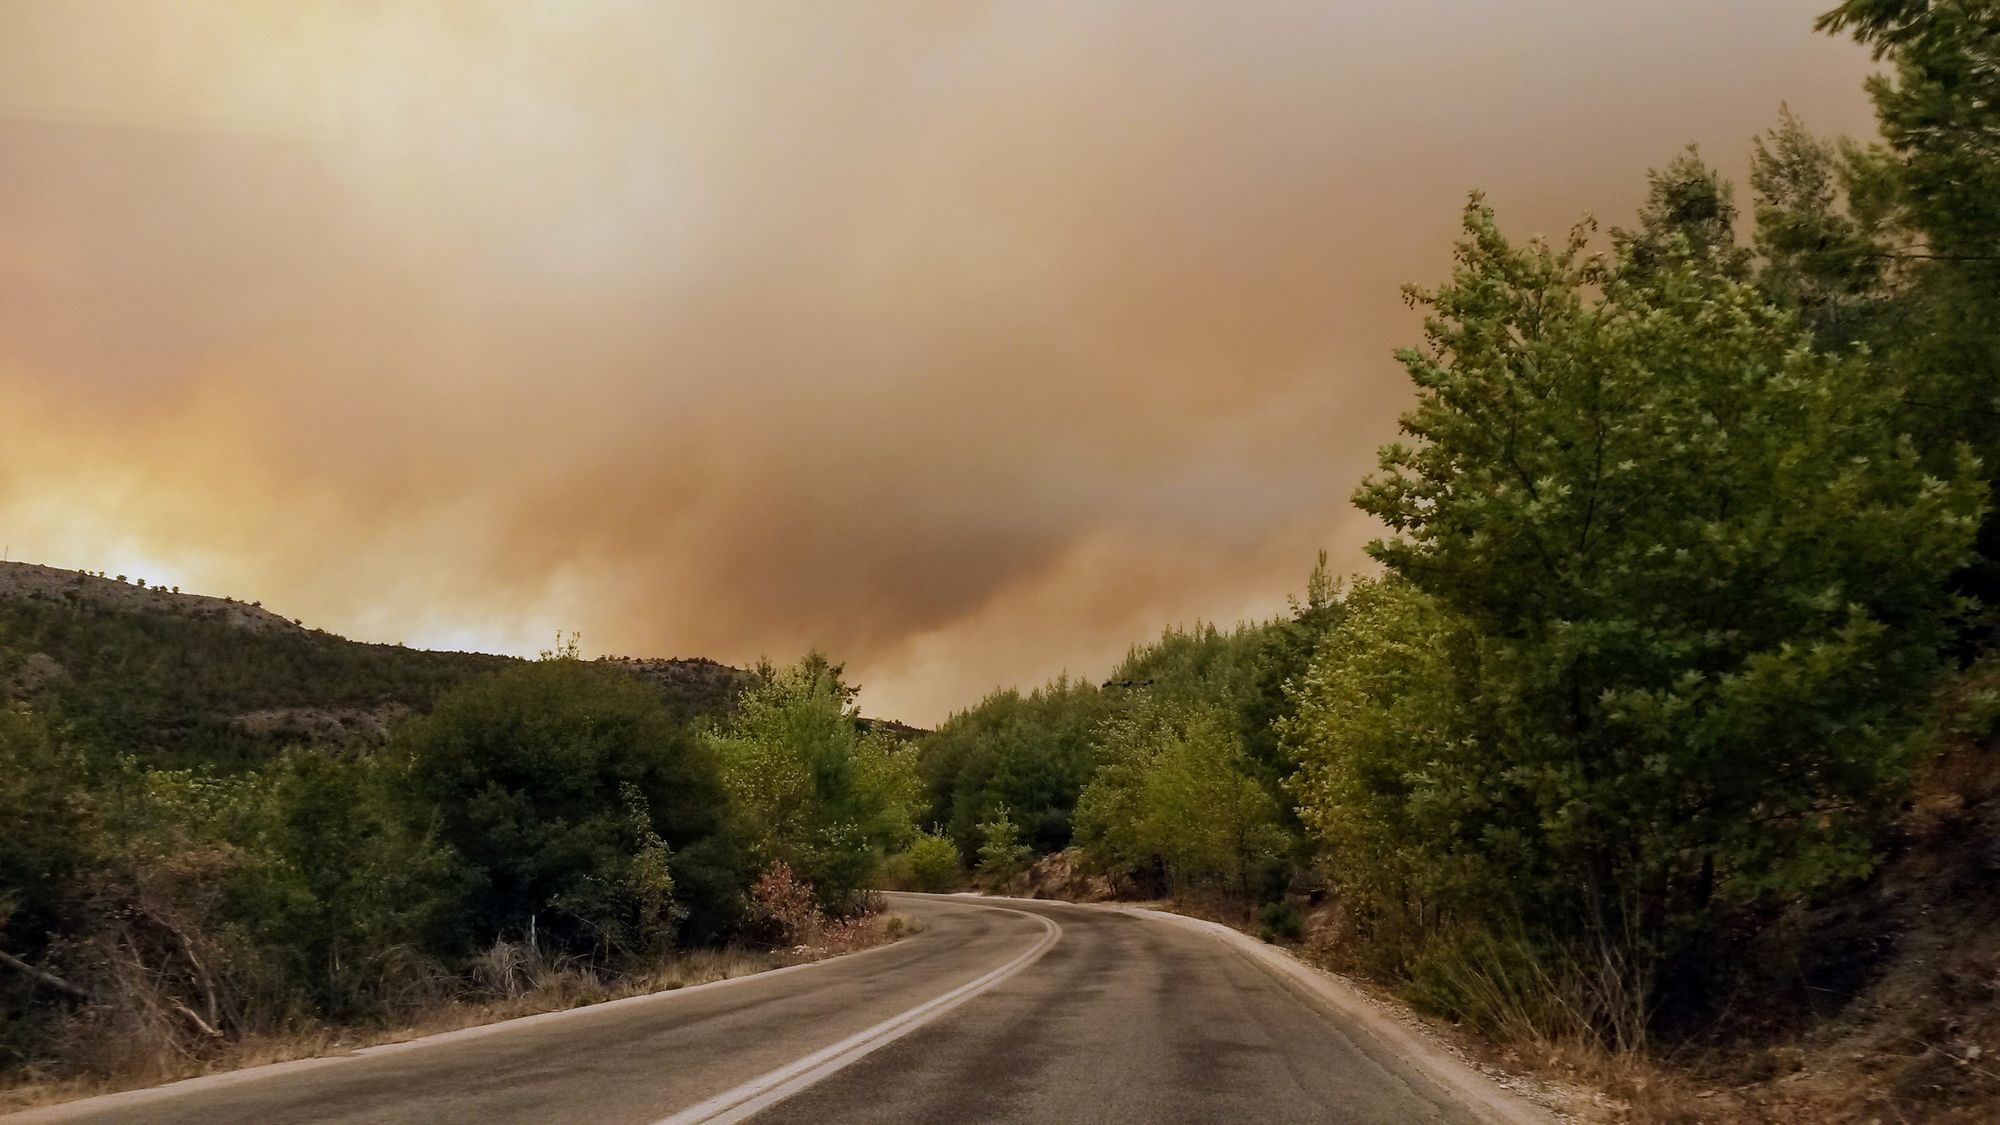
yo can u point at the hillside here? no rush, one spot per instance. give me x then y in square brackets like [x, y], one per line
[1879, 1000]
[186, 679]
[81, 590]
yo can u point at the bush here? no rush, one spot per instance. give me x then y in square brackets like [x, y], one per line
[333, 873]
[161, 913]
[787, 909]
[1281, 921]
[933, 861]
[786, 906]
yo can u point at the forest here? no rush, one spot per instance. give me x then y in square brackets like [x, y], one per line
[1683, 613]
[1686, 598]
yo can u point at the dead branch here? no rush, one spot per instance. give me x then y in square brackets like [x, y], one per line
[200, 1024]
[44, 976]
[200, 970]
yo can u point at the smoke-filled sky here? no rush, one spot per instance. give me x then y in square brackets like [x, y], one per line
[967, 342]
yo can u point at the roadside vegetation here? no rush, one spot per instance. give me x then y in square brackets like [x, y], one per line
[1660, 744]
[550, 833]
[1678, 674]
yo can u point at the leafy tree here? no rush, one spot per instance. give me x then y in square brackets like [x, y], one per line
[1395, 780]
[1287, 645]
[1700, 571]
[559, 784]
[820, 797]
[1176, 789]
[1053, 747]
[1826, 236]
[1198, 662]
[1690, 210]
[1939, 112]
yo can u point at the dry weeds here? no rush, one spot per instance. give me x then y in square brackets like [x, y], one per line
[510, 981]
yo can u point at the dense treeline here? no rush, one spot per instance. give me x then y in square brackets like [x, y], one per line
[554, 812]
[1685, 534]
[1030, 758]
[1170, 774]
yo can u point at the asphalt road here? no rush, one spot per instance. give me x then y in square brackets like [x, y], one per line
[1000, 1010]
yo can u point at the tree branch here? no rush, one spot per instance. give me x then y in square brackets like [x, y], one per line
[44, 976]
[200, 1024]
[1916, 256]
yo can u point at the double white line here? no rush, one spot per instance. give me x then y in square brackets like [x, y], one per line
[769, 1089]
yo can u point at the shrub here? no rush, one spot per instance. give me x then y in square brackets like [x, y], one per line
[786, 905]
[1281, 921]
[933, 860]
[333, 872]
[49, 829]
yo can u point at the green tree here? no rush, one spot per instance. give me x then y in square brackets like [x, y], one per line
[1031, 753]
[557, 783]
[820, 796]
[1178, 790]
[1287, 646]
[1701, 572]
[1002, 854]
[1393, 779]
[1827, 236]
[1690, 210]
[1939, 112]
[1939, 109]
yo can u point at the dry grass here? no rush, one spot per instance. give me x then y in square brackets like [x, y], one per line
[1877, 1060]
[508, 981]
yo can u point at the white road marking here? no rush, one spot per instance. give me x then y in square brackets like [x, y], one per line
[769, 1089]
[86, 1107]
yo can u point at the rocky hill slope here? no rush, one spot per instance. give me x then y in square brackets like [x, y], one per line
[82, 590]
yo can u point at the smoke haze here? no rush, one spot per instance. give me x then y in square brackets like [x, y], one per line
[967, 342]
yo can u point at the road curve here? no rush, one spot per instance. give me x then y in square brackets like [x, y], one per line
[1000, 1010]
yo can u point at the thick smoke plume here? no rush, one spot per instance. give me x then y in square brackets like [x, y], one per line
[967, 342]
